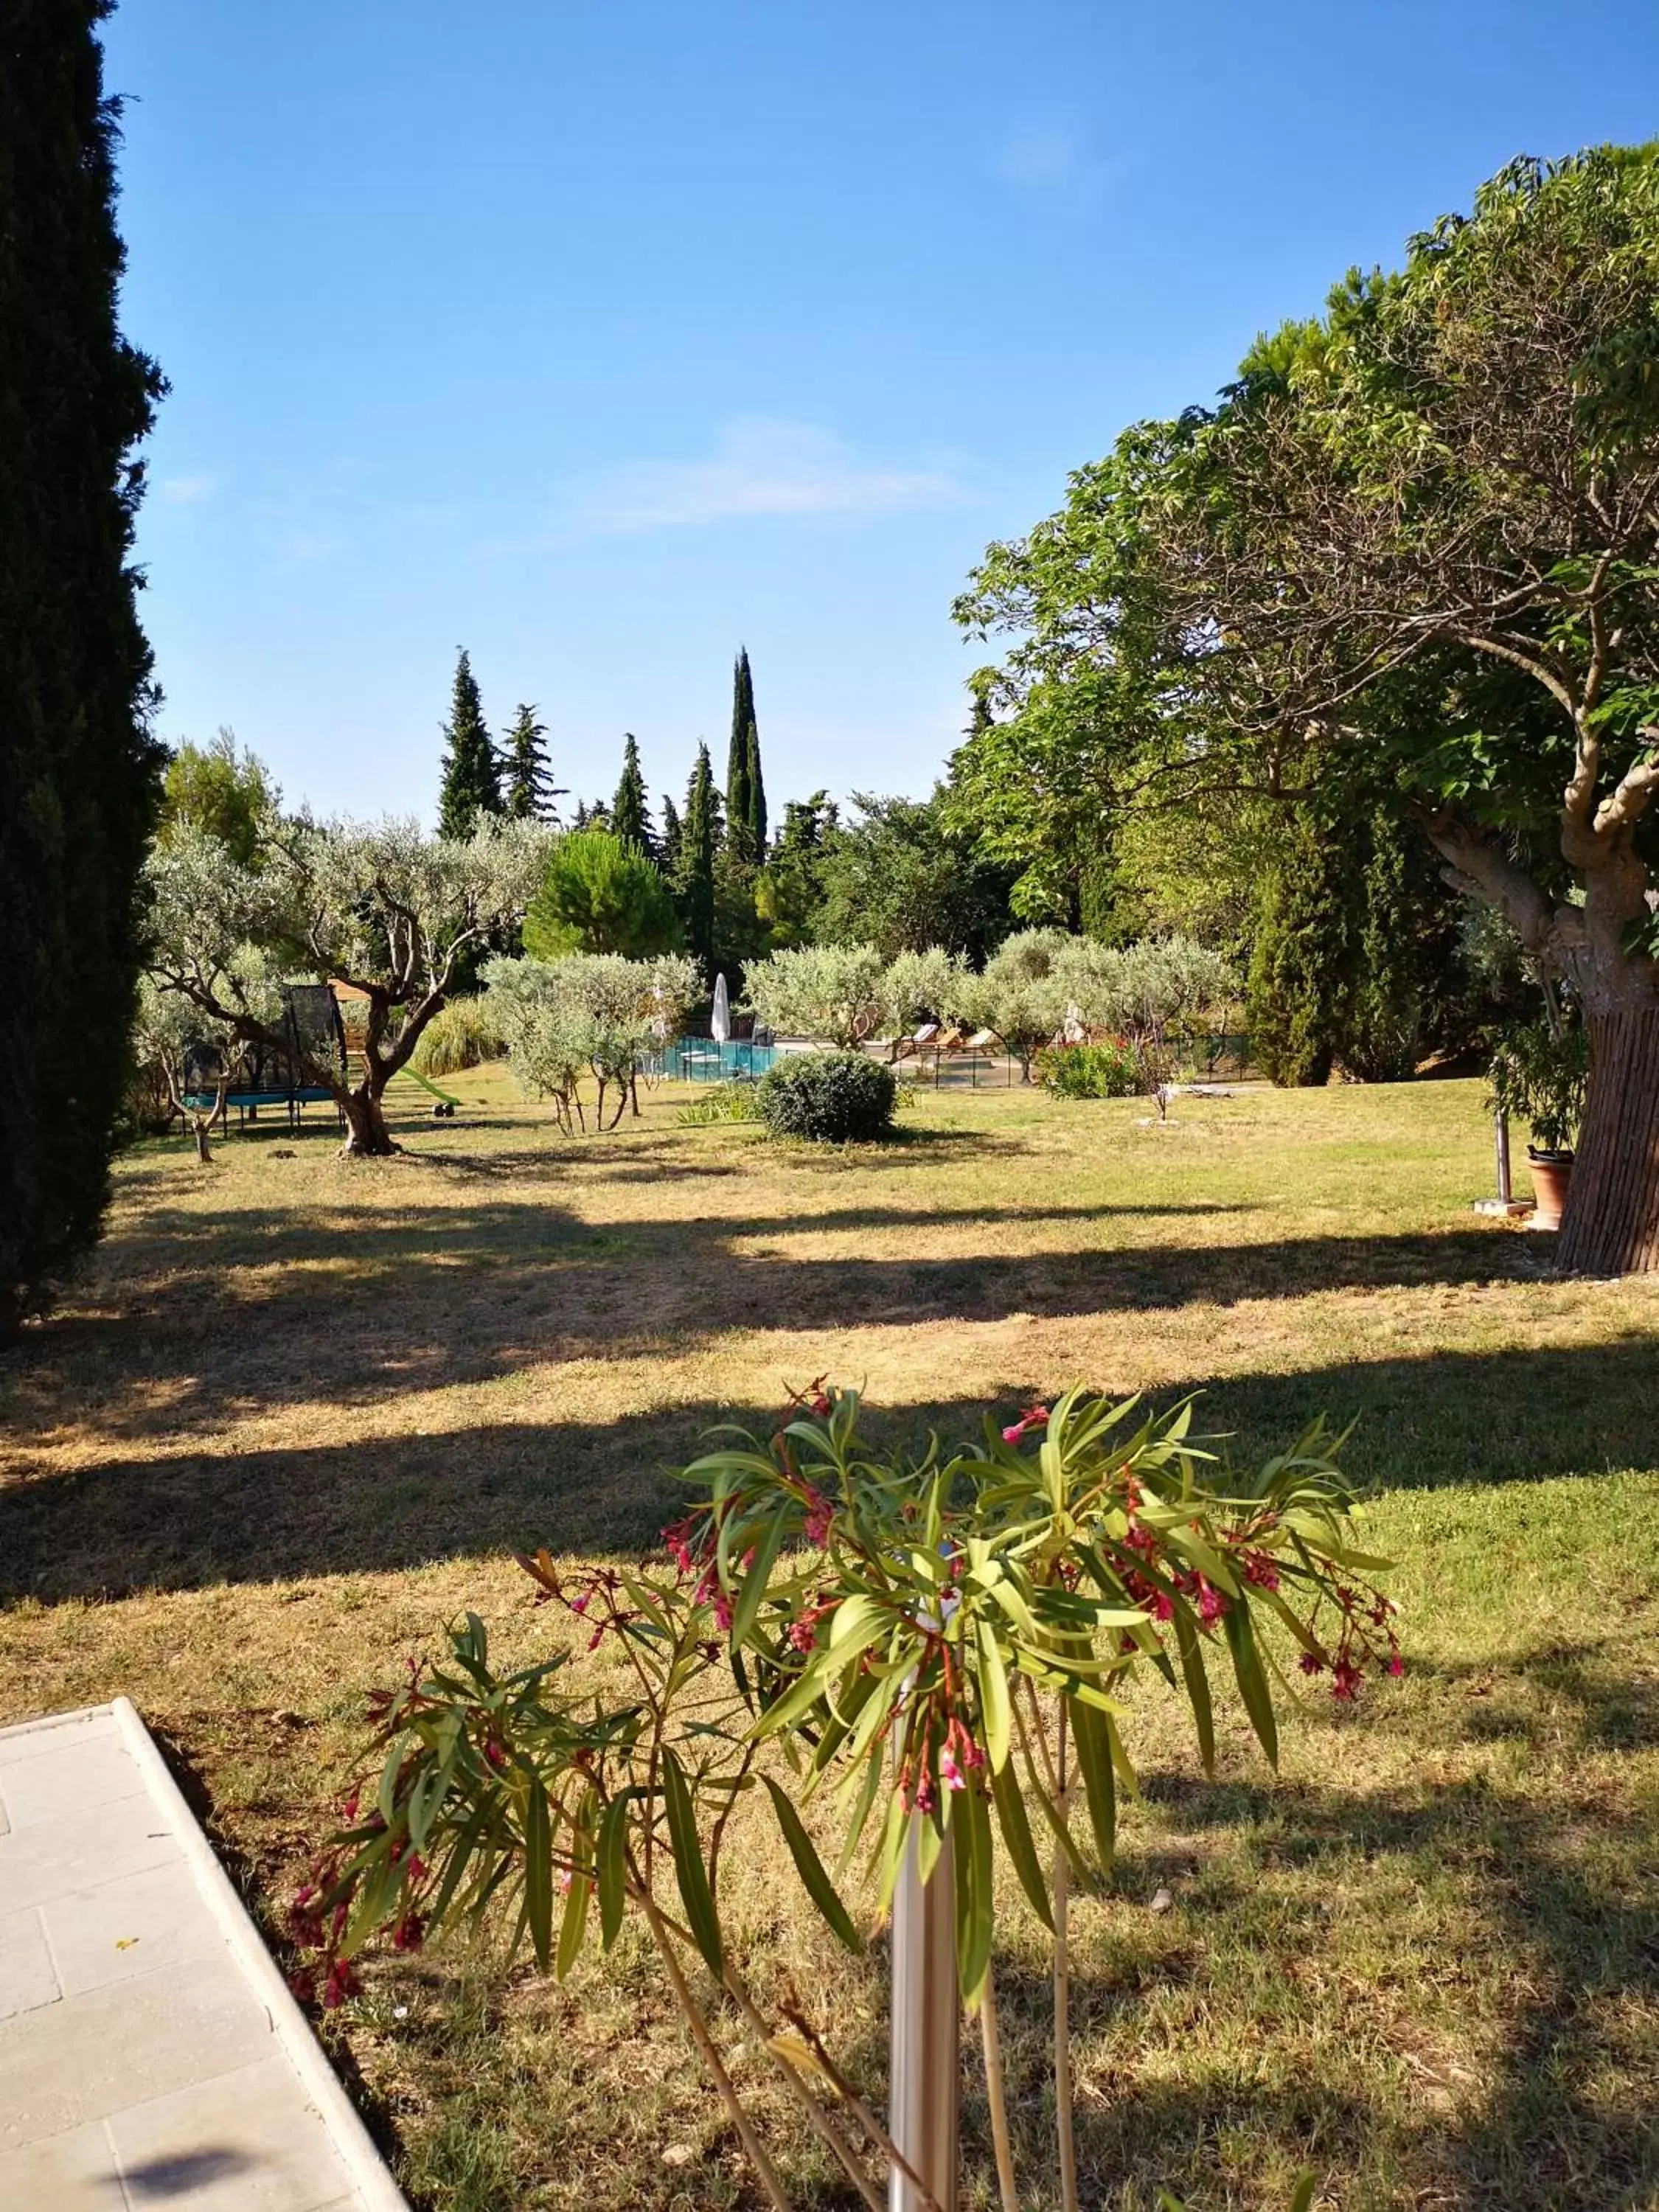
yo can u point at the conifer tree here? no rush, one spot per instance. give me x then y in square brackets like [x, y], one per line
[529, 789]
[671, 838]
[471, 778]
[79, 769]
[1300, 992]
[756, 793]
[695, 876]
[745, 800]
[630, 810]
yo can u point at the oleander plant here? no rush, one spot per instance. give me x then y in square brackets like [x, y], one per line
[934, 1647]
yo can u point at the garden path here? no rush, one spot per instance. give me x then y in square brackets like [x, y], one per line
[149, 2053]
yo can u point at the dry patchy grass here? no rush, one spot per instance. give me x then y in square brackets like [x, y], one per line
[301, 1411]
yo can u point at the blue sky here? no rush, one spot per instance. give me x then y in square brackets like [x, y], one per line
[598, 336]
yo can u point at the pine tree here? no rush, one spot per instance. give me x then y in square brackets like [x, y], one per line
[79, 770]
[531, 790]
[695, 876]
[472, 779]
[630, 810]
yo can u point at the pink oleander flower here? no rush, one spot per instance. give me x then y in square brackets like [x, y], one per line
[820, 1514]
[1345, 1681]
[1211, 1603]
[1311, 1663]
[1260, 1570]
[723, 1609]
[1034, 1416]
[926, 1800]
[949, 1772]
[1396, 1665]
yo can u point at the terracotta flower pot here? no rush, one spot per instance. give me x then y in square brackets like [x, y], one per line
[1551, 1174]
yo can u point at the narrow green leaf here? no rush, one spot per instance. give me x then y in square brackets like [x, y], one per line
[538, 1876]
[1189, 1644]
[1094, 1758]
[612, 1868]
[1252, 1683]
[976, 1902]
[689, 1870]
[754, 1580]
[574, 1926]
[810, 1866]
[994, 1697]
[1307, 2184]
[1017, 1835]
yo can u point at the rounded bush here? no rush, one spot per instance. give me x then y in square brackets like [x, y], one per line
[830, 1095]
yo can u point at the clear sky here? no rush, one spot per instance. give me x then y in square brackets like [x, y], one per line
[601, 336]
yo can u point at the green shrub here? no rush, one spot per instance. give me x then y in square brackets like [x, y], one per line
[460, 1035]
[721, 1102]
[1539, 1076]
[829, 1094]
[1088, 1070]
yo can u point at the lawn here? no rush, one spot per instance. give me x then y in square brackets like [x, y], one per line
[301, 1410]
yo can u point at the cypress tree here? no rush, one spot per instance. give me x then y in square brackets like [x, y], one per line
[530, 790]
[739, 798]
[756, 793]
[671, 838]
[630, 810]
[79, 769]
[694, 877]
[471, 778]
[1300, 990]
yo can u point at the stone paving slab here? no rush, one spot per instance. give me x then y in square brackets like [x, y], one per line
[149, 2053]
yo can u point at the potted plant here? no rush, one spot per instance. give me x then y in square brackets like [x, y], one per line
[1538, 1075]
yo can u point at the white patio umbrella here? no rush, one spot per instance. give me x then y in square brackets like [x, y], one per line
[720, 1022]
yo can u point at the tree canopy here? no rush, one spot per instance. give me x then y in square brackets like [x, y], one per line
[79, 766]
[1409, 560]
[600, 895]
[379, 908]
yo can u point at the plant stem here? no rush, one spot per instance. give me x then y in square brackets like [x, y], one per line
[1062, 2005]
[820, 2121]
[996, 2096]
[765, 2172]
[855, 2103]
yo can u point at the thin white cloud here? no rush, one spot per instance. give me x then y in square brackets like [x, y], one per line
[1052, 160]
[184, 491]
[759, 467]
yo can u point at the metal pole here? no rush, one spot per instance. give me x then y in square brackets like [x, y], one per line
[1504, 1192]
[922, 2092]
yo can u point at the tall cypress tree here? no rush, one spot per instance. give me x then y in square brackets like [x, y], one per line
[471, 778]
[740, 752]
[79, 769]
[670, 843]
[757, 790]
[630, 810]
[1300, 995]
[530, 790]
[695, 876]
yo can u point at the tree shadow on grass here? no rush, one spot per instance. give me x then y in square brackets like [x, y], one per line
[234, 1311]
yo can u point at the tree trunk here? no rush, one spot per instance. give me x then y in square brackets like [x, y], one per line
[366, 1135]
[1611, 1226]
[201, 1125]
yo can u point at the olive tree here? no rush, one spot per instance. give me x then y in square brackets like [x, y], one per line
[382, 908]
[827, 991]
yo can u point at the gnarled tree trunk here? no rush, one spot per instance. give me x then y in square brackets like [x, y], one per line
[1611, 1225]
[366, 1135]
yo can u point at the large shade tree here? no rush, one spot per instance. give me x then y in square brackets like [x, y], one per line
[1416, 547]
[380, 908]
[78, 766]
